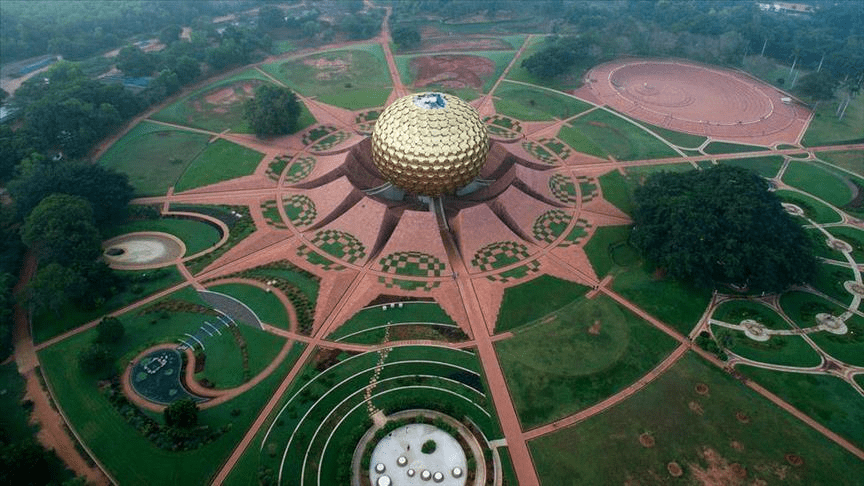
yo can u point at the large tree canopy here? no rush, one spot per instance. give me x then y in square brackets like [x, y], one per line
[720, 225]
[273, 111]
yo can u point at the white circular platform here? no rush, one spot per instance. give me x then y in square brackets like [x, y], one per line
[406, 465]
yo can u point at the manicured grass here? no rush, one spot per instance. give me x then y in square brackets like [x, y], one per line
[813, 209]
[535, 299]
[684, 140]
[138, 461]
[820, 181]
[139, 284]
[600, 248]
[530, 103]
[617, 137]
[224, 112]
[764, 166]
[643, 171]
[829, 279]
[588, 351]
[781, 350]
[340, 411]
[265, 305]
[581, 142]
[221, 161]
[735, 311]
[684, 425]
[238, 220]
[853, 236]
[153, 156]
[196, 235]
[223, 365]
[826, 129]
[14, 421]
[507, 467]
[714, 148]
[851, 160]
[673, 302]
[351, 78]
[802, 308]
[409, 312]
[617, 190]
[827, 399]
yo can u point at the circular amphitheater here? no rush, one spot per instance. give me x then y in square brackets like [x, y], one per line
[142, 250]
[697, 99]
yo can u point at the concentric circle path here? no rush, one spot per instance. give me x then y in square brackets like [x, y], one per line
[699, 99]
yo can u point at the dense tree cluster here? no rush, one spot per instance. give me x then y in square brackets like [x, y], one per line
[79, 29]
[557, 56]
[272, 111]
[407, 37]
[182, 414]
[720, 226]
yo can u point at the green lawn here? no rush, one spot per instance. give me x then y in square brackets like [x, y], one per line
[223, 365]
[853, 236]
[683, 140]
[600, 248]
[223, 111]
[820, 181]
[599, 348]
[781, 350]
[850, 160]
[614, 136]
[764, 166]
[196, 235]
[530, 103]
[829, 279]
[673, 302]
[221, 161]
[826, 128]
[420, 312]
[352, 78]
[827, 399]
[266, 306]
[153, 156]
[714, 148]
[802, 308]
[684, 426]
[535, 299]
[138, 284]
[813, 209]
[617, 189]
[643, 171]
[138, 461]
[569, 80]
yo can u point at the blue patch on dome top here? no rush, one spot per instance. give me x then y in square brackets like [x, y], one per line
[430, 101]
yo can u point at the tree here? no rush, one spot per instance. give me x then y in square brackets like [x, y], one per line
[170, 34]
[556, 58]
[407, 37]
[272, 111]
[95, 360]
[817, 86]
[61, 228]
[135, 62]
[53, 287]
[270, 17]
[182, 414]
[109, 330]
[720, 226]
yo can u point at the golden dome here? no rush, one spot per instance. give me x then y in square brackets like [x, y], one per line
[429, 143]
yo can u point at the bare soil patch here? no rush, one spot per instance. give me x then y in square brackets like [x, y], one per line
[794, 459]
[717, 470]
[647, 440]
[696, 408]
[595, 328]
[329, 69]
[742, 417]
[702, 389]
[451, 71]
[464, 44]
[674, 469]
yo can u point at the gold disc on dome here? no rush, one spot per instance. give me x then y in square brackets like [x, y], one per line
[429, 143]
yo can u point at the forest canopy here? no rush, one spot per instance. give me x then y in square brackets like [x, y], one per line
[720, 226]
